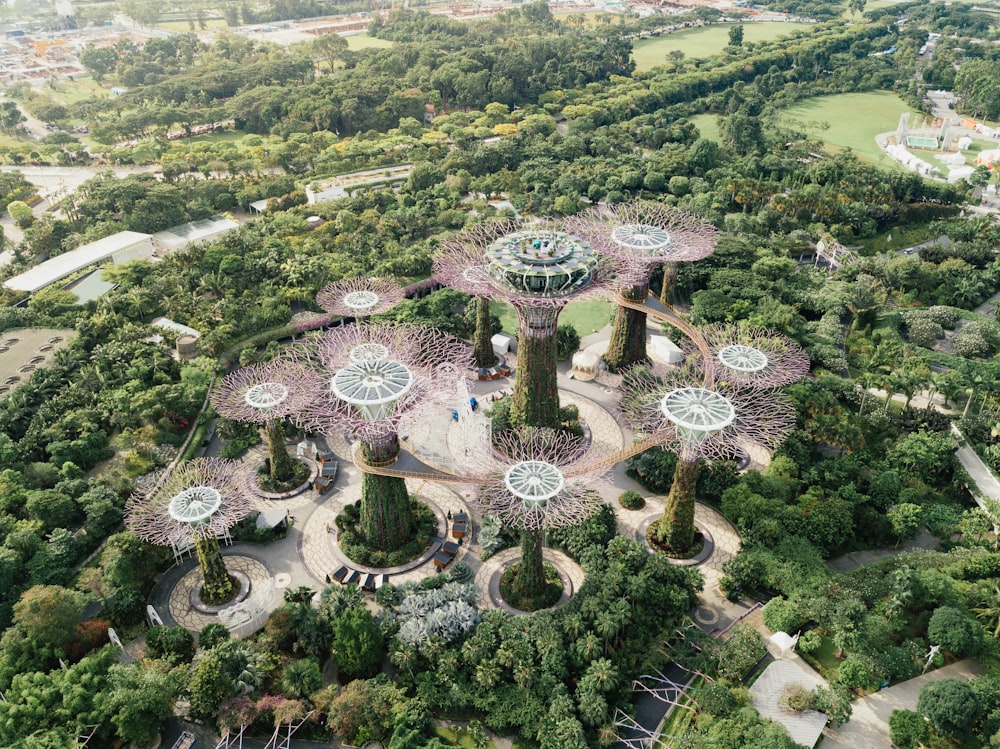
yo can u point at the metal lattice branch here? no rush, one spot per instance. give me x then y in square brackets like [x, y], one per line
[417, 347]
[644, 234]
[631, 734]
[429, 361]
[694, 421]
[213, 493]
[360, 297]
[525, 485]
[260, 392]
[474, 261]
[752, 357]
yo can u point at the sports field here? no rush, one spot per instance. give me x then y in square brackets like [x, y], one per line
[850, 121]
[708, 40]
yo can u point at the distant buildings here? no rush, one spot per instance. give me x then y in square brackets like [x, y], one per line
[119, 248]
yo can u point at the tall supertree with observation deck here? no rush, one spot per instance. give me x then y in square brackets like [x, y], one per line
[699, 417]
[642, 236]
[362, 380]
[538, 269]
[197, 503]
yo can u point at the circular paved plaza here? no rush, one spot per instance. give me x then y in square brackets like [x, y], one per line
[309, 554]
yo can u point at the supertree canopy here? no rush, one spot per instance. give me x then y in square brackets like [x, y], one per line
[538, 269]
[641, 235]
[534, 482]
[199, 502]
[752, 357]
[263, 394]
[695, 421]
[360, 297]
[363, 379]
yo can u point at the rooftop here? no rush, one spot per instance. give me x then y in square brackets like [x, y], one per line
[70, 262]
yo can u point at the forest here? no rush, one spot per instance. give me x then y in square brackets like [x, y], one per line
[552, 117]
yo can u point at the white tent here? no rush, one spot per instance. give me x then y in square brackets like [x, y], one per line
[586, 365]
[665, 350]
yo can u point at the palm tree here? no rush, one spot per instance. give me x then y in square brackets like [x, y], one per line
[988, 609]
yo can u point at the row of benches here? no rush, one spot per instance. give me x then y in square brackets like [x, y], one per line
[365, 580]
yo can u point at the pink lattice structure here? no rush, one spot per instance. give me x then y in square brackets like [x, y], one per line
[530, 481]
[416, 346]
[203, 498]
[472, 261]
[360, 297]
[363, 379]
[752, 357]
[260, 392]
[643, 234]
[721, 423]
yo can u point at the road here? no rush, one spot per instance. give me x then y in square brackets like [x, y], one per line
[54, 182]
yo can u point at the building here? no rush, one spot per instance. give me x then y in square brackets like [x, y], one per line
[118, 248]
[185, 235]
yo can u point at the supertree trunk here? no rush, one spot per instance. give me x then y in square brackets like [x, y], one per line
[676, 528]
[530, 580]
[536, 393]
[628, 333]
[281, 466]
[483, 347]
[386, 516]
[667, 289]
[218, 586]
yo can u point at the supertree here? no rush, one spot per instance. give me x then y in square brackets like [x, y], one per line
[699, 420]
[533, 481]
[538, 269]
[641, 235]
[745, 356]
[263, 394]
[363, 379]
[360, 297]
[197, 503]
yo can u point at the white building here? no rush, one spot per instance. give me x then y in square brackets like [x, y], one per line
[185, 235]
[118, 248]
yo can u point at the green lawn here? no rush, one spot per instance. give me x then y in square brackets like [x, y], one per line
[585, 316]
[708, 126]
[850, 121]
[823, 659]
[70, 92]
[708, 40]
[363, 41]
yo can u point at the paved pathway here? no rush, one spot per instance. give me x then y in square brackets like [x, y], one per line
[856, 559]
[868, 727]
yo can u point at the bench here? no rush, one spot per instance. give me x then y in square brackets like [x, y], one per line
[185, 741]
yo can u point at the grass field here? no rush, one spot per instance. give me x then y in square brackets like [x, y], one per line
[708, 126]
[363, 41]
[70, 92]
[849, 121]
[585, 316]
[649, 53]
